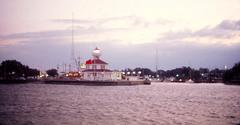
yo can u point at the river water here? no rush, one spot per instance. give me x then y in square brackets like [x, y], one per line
[156, 104]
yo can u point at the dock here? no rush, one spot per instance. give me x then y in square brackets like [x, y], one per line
[97, 82]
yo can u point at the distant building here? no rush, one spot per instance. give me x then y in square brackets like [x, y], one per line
[96, 69]
[116, 75]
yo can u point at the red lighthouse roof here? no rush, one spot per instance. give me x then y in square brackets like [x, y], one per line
[95, 61]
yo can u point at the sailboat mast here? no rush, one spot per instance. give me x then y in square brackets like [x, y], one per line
[156, 60]
[73, 60]
[72, 50]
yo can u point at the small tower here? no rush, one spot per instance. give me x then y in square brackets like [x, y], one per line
[96, 53]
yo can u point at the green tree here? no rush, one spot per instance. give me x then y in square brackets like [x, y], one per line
[52, 72]
[11, 69]
[232, 75]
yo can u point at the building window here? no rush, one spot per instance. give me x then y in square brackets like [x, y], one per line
[97, 66]
[94, 67]
[102, 66]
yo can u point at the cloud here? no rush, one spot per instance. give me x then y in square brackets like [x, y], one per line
[101, 20]
[75, 21]
[225, 33]
[225, 29]
[54, 34]
[42, 34]
[135, 30]
[126, 29]
[120, 22]
[229, 25]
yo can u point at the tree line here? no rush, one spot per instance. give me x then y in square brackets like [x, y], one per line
[232, 76]
[13, 69]
[185, 73]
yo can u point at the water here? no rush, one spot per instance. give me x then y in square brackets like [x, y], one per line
[159, 103]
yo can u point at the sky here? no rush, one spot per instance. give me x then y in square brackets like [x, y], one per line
[130, 33]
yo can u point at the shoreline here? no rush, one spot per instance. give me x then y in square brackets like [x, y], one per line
[99, 83]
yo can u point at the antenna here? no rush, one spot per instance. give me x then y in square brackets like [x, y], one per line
[156, 60]
[72, 49]
[73, 60]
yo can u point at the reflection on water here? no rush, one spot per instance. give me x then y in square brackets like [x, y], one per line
[159, 103]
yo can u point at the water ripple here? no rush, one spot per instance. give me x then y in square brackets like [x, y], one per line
[157, 104]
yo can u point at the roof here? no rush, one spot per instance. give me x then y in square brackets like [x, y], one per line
[97, 70]
[95, 61]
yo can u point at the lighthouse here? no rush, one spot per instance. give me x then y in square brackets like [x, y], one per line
[96, 69]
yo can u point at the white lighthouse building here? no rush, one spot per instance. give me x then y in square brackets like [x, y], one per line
[96, 69]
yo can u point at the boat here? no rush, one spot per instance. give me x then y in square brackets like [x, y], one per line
[190, 81]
